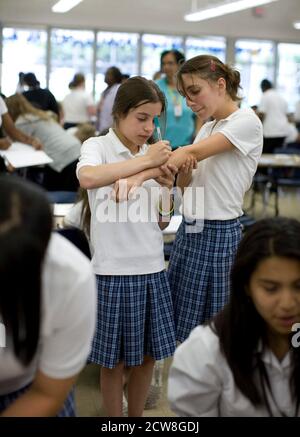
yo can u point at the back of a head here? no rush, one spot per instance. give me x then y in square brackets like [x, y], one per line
[266, 85]
[25, 229]
[113, 76]
[211, 68]
[30, 80]
[18, 105]
[78, 80]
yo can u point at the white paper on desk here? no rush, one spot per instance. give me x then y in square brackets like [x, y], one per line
[22, 155]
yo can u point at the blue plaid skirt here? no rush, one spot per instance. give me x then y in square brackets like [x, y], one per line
[199, 272]
[135, 318]
[68, 409]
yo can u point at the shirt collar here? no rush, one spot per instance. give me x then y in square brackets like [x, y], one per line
[269, 358]
[119, 147]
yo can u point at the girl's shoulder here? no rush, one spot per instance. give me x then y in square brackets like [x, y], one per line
[206, 338]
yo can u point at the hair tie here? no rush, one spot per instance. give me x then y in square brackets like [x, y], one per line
[212, 65]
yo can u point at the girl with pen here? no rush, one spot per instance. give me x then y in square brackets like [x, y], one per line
[135, 312]
[227, 150]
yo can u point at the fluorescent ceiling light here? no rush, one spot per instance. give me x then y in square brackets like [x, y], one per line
[65, 5]
[224, 8]
[297, 25]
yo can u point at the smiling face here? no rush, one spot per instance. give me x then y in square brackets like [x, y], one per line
[204, 97]
[138, 125]
[275, 291]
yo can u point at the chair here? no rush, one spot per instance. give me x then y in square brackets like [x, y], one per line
[77, 237]
[286, 177]
[62, 196]
[247, 221]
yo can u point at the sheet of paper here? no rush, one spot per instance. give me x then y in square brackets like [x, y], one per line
[61, 209]
[22, 155]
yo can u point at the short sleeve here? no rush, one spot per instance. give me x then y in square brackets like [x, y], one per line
[245, 132]
[195, 378]
[91, 154]
[71, 319]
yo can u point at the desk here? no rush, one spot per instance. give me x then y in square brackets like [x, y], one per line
[280, 160]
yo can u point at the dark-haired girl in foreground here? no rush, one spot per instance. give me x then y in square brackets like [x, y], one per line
[246, 361]
[47, 307]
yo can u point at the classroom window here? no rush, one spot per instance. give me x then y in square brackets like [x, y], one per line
[205, 46]
[23, 50]
[71, 52]
[255, 61]
[152, 47]
[288, 78]
[118, 49]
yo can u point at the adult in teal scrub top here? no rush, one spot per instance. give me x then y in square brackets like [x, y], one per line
[180, 128]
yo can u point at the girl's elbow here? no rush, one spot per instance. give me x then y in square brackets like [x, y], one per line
[85, 181]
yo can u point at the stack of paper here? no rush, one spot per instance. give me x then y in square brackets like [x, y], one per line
[21, 155]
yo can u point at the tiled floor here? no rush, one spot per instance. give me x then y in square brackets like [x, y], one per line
[88, 393]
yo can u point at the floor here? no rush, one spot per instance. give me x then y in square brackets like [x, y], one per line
[88, 397]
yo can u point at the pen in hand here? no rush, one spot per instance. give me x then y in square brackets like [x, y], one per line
[157, 127]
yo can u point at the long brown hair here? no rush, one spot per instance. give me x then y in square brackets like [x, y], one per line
[210, 68]
[25, 229]
[134, 92]
[18, 105]
[239, 325]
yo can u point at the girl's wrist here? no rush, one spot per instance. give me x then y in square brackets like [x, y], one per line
[170, 211]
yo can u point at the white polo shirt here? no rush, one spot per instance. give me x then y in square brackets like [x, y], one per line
[275, 110]
[67, 322]
[75, 106]
[202, 384]
[227, 176]
[125, 236]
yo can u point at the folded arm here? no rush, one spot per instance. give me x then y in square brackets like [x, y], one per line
[106, 174]
[185, 157]
[17, 135]
[45, 397]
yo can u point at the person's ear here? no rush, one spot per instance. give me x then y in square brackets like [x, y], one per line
[221, 84]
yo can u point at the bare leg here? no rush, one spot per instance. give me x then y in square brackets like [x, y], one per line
[138, 386]
[112, 389]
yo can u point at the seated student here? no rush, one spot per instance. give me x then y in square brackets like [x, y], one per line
[243, 363]
[63, 148]
[11, 132]
[39, 97]
[47, 306]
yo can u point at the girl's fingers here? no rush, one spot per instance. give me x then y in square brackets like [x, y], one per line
[173, 168]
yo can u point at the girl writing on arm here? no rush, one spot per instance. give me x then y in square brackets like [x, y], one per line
[135, 313]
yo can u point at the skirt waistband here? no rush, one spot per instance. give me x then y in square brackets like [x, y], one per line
[212, 223]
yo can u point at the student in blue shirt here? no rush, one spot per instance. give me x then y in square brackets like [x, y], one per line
[181, 121]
